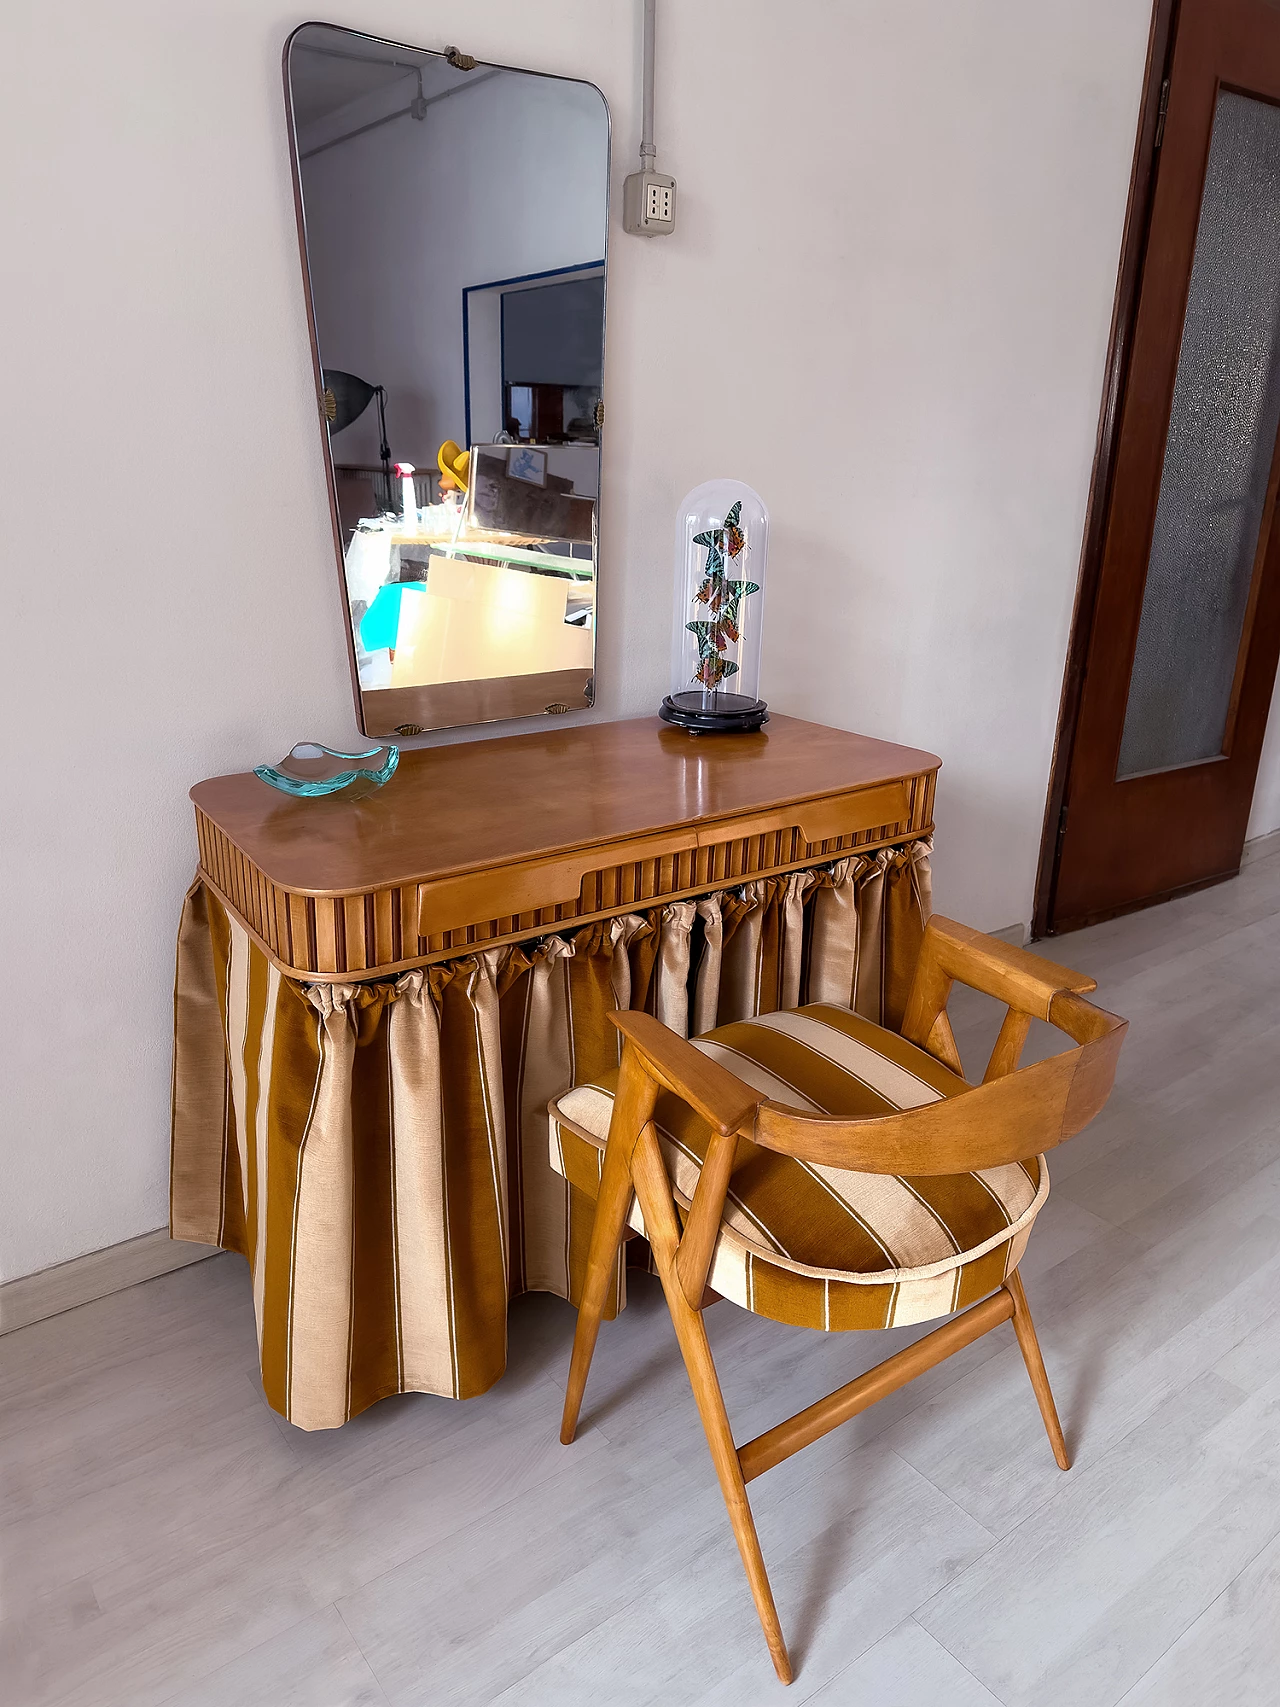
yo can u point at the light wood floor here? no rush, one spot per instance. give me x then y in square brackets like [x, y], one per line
[167, 1539]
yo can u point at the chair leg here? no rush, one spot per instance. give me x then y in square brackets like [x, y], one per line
[607, 1233]
[653, 1190]
[1030, 1347]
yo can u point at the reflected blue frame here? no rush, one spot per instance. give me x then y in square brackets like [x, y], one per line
[501, 284]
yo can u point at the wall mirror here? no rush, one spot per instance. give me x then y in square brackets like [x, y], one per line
[453, 218]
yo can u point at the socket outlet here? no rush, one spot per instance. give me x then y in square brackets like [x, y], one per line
[657, 203]
[649, 204]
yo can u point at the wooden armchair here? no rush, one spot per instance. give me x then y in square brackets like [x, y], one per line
[820, 1170]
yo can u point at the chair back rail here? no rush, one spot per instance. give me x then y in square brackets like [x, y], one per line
[1008, 1119]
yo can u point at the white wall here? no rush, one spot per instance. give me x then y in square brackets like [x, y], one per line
[886, 306]
[1265, 815]
[508, 178]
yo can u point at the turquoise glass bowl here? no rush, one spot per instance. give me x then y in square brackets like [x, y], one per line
[311, 769]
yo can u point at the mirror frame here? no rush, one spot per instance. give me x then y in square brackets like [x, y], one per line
[409, 711]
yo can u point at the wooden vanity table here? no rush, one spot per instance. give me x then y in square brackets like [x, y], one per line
[377, 997]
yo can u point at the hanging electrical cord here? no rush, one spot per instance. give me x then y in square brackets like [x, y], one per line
[648, 196]
[648, 150]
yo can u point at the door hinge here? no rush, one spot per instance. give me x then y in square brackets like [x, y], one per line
[1160, 116]
[1062, 821]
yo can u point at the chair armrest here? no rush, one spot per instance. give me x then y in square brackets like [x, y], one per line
[1024, 980]
[724, 1102]
[1028, 983]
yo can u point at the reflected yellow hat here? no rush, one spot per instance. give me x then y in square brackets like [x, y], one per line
[455, 462]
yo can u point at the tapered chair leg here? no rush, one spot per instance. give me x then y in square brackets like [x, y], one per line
[653, 1191]
[1030, 1347]
[607, 1232]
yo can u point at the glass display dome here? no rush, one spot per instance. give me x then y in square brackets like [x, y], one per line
[722, 543]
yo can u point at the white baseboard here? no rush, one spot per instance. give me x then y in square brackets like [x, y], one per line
[1261, 847]
[85, 1278]
[1017, 936]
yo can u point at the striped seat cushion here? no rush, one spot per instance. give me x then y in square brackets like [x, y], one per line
[816, 1246]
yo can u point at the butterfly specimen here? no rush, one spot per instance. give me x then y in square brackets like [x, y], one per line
[734, 538]
[728, 537]
[722, 598]
[722, 595]
[713, 666]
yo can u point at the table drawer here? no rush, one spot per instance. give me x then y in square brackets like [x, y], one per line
[648, 868]
[449, 903]
[818, 821]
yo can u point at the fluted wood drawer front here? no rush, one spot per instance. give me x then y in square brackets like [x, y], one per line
[449, 903]
[819, 820]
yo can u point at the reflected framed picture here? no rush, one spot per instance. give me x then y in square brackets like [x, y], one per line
[501, 501]
[524, 463]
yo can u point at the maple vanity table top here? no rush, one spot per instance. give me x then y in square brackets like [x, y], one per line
[486, 841]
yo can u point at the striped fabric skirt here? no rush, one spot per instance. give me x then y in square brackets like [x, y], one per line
[380, 1151]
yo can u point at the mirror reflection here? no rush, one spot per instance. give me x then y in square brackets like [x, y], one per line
[453, 217]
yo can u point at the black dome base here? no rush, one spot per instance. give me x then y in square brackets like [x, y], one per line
[733, 713]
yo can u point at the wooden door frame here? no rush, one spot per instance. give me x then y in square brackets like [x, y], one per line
[1133, 249]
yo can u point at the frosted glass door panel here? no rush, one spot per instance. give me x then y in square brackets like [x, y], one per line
[1217, 461]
